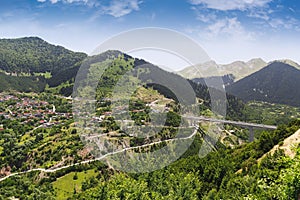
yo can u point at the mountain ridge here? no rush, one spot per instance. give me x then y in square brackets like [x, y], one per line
[238, 69]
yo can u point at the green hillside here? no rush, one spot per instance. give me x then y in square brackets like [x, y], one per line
[32, 54]
[223, 174]
[26, 61]
[169, 84]
[23, 83]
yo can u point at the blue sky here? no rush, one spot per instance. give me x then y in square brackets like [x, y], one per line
[228, 30]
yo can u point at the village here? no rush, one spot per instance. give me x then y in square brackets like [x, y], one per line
[29, 110]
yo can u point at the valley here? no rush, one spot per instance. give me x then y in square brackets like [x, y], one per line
[66, 139]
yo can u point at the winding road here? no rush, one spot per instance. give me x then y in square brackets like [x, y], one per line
[97, 159]
[201, 118]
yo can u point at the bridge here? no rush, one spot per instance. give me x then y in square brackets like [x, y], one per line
[195, 120]
[250, 126]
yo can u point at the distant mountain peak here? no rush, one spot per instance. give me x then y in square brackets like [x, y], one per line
[256, 60]
[110, 53]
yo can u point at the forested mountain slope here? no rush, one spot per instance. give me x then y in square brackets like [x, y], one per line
[35, 58]
[276, 83]
[34, 55]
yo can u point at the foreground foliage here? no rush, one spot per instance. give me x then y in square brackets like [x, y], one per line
[223, 174]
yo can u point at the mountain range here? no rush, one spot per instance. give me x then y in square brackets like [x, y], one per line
[32, 64]
[255, 80]
[238, 69]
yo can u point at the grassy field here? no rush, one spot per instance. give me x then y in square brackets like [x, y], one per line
[66, 186]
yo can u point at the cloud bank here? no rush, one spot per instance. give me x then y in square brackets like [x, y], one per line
[225, 5]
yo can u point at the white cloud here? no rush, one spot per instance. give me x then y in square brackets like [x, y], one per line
[119, 8]
[65, 1]
[260, 14]
[289, 23]
[116, 8]
[229, 28]
[231, 4]
[205, 17]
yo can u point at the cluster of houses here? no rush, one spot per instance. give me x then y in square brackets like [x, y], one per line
[29, 111]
